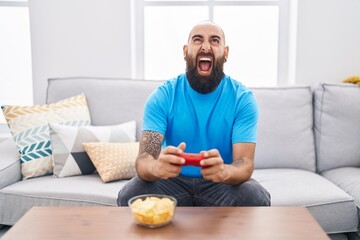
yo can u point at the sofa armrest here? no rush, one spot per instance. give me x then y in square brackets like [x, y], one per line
[10, 171]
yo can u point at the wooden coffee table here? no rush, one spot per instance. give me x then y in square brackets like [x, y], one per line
[188, 223]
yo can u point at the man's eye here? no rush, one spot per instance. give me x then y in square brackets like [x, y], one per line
[197, 40]
[215, 40]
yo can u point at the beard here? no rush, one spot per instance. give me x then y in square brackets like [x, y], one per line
[204, 84]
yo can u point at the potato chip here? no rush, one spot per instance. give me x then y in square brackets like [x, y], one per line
[153, 198]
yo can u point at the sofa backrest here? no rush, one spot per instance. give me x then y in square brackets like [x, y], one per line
[285, 128]
[337, 125]
[285, 136]
[110, 100]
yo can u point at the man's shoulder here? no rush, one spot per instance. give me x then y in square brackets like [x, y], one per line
[236, 85]
[167, 90]
[174, 81]
[169, 86]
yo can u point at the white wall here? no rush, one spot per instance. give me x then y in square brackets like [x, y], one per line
[79, 38]
[328, 41]
[92, 38]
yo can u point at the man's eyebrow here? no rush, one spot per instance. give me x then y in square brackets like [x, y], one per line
[197, 36]
[200, 36]
[216, 36]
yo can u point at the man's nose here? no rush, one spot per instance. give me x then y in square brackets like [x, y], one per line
[206, 47]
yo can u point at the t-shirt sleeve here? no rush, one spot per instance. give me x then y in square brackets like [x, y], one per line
[245, 124]
[155, 111]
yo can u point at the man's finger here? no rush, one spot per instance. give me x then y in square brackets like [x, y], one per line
[172, 150]
[182, 146]
[213, 153]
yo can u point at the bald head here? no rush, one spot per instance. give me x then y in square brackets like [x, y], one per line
[207, 25]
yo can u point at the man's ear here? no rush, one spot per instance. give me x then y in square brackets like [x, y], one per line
[226, 52]
[185, 49]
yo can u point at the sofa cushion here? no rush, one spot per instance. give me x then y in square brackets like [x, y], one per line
[285, 135]
[348, 179]
[29, 127]
[9, 163]
[337, 128]
[113, 161]
[121, 100]
[69, 155]
[85, 190]
[334, 209]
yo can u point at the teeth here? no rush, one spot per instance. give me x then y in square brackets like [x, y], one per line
[205, 59]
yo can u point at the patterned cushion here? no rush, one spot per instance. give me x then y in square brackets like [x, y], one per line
[69, 155]
[113, 161]
[29, 127]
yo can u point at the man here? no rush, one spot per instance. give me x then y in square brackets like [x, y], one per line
[206, 112]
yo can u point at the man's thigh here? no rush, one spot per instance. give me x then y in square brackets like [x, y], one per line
[249, 193]
[179, 187]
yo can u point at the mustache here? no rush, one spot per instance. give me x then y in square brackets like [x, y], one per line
[209, 54]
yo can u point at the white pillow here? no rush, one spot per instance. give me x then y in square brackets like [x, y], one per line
[69, 156]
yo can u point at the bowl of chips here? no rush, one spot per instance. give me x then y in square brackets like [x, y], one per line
[152, 210]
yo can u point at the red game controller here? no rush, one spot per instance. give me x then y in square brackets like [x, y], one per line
[192, 159]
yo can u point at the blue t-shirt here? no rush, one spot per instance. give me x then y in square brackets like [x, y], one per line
[203, 121]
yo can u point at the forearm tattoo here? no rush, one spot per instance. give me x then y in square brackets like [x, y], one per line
[150, 143]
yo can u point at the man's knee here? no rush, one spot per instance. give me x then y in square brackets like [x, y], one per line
[136, 186]
[253, 194]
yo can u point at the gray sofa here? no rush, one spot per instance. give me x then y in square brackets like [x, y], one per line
[308, 151]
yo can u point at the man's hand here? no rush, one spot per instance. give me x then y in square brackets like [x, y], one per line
[152, 163]
[239, 171]
[168, 164]
[215, 170]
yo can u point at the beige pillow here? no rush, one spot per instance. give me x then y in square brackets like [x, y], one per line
[113, 161]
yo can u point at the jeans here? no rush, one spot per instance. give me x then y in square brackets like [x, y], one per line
[198, 192]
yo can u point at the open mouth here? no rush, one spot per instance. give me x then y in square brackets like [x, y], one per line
[204, 65]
